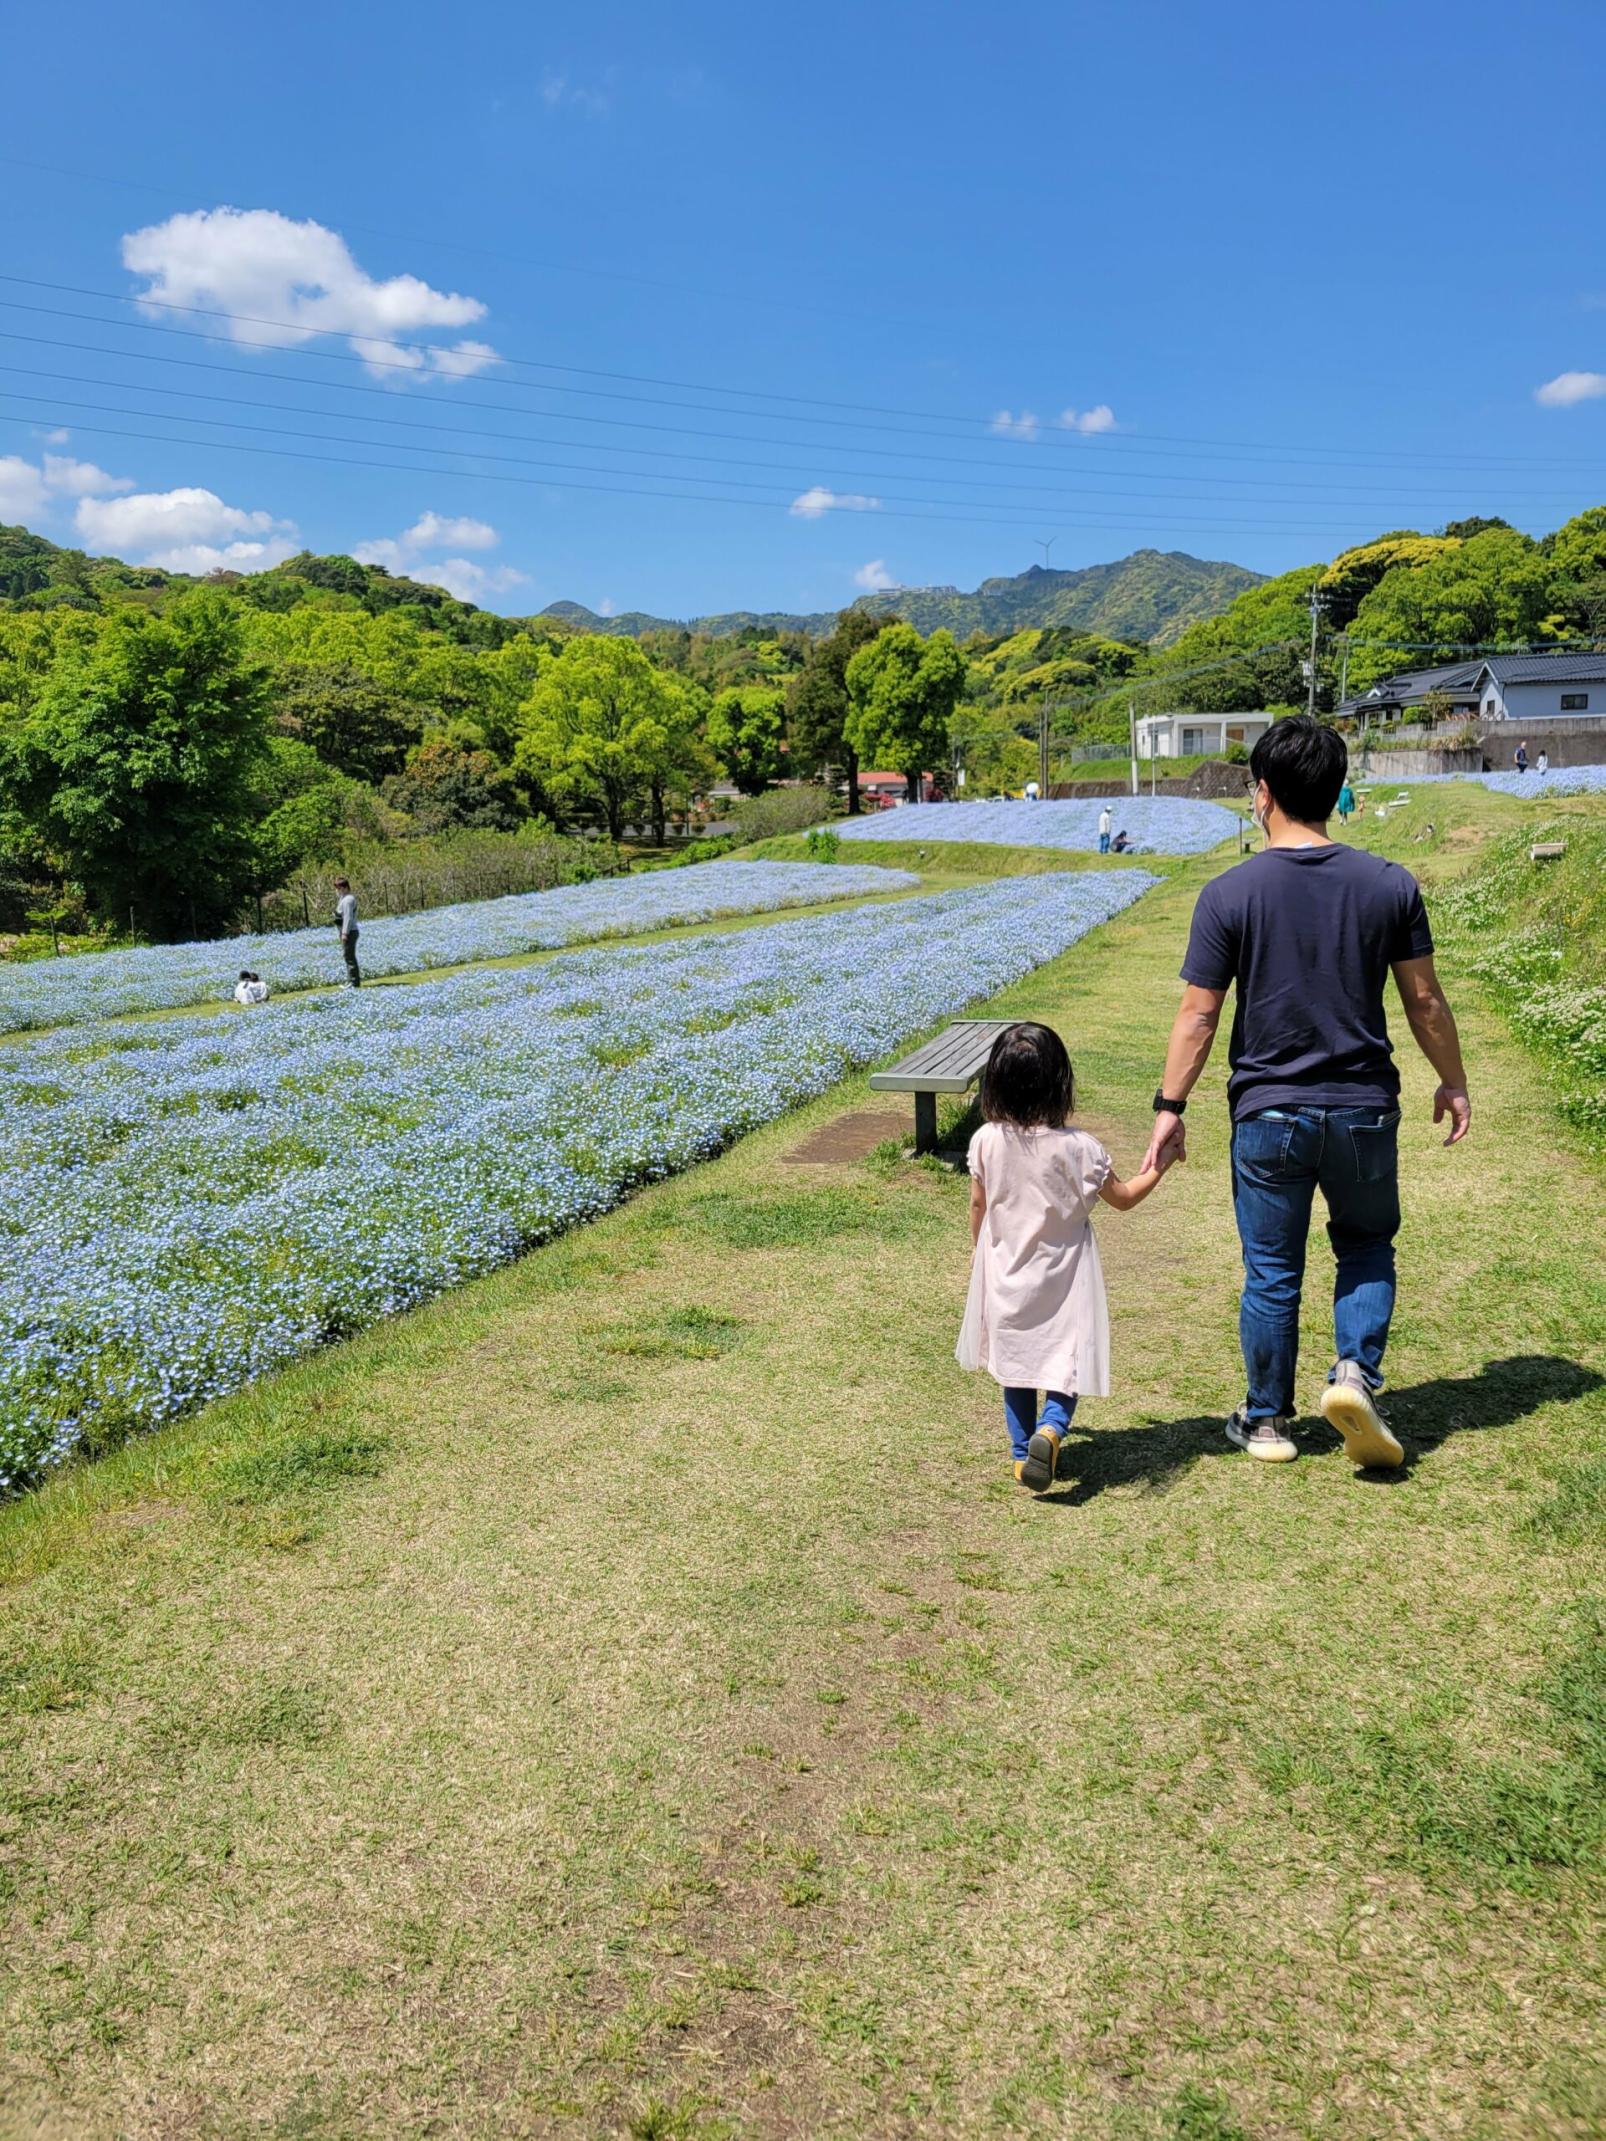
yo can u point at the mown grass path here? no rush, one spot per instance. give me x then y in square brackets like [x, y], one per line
[629, 1697]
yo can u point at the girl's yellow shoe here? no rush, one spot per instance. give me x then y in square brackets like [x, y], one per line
[1036, 1469]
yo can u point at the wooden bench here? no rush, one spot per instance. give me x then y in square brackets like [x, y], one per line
[950, 1064]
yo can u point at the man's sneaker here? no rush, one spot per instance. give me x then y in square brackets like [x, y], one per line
[1267, 1439]
[1042, 1454]
[1348, 1405]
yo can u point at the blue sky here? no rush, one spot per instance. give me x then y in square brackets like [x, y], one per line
[1247, 281]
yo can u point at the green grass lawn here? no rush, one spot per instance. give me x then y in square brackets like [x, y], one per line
[631, 1698]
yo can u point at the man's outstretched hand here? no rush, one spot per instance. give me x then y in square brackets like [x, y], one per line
[1451, 1101]
[1169, 1142]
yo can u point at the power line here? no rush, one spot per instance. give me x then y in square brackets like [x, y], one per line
[805, 469]
[286, 453]
[1080, 443]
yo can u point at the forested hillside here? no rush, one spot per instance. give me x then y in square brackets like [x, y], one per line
[1152, 595]
[172, 751]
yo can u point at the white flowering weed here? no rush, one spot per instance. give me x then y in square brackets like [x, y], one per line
[168, 977]
[189, 1203]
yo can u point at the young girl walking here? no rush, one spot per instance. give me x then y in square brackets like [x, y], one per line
[1035, 1317]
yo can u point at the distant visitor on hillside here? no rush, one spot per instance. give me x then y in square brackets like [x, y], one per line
[1308, 932]
[1542, 764]
[1106, 827]
[250, 988]
[1122, 843]
[346, 923]
[1519, 758]
[1346, 802]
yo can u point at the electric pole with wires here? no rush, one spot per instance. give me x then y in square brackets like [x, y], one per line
[1317, 598]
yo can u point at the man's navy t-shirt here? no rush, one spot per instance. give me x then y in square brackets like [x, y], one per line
[1308, 936]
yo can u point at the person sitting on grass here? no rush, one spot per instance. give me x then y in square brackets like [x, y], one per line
[1035, 1317]
[1121, 844]
[250, 988]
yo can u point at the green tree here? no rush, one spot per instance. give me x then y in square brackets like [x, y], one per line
[745, 725]
[1492, 590]
[677, 762]
[136, 762]
[448, 784]
[817, 704]
[902, 693]
[355, 723]
[593, 730]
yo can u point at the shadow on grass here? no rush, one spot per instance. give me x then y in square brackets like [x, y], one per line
[1424, 1415]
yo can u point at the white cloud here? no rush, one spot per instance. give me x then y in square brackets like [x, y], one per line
[27, 491]
[874, 577]
[185, 530]
[81, 479]
[1088, 421]
[557, 91]
[470, 582]
[22, 488]
[1010, 426]
[810, 504]
[607, 607]
[57, 437]
[263, 267]
[1570, 387]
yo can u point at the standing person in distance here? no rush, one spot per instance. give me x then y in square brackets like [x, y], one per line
[1106, 827]
[1308, 932]
[1346, 802]
[346, 923]
[1542, 764]
[1519, 758]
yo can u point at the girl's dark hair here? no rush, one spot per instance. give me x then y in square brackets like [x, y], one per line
[1028, 1080]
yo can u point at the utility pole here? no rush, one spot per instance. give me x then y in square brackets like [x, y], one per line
[1042, 750]
[1343, 670]
[1310, 666]
[1132, 738]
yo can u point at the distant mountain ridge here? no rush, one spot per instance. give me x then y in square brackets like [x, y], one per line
[1152, 595]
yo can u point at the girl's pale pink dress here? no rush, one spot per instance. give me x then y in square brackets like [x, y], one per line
[1036, 1317]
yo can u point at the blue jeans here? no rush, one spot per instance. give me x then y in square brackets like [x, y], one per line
[1280, 1158]
[1021, 1415]
[1104, 843]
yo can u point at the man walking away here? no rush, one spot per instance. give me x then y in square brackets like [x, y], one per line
[1106, 825]
[1519, 758]
[346, 923]
[1307, 931]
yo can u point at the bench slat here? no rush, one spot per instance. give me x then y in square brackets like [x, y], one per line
[949, 1064]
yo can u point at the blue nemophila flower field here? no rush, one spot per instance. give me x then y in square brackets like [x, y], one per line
[187, 1204]
[165, 977]
[1531, 787]
[1158, 825]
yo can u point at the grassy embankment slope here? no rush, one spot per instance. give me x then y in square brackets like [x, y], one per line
[629, 1697]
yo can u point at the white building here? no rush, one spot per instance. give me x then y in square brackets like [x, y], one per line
[1534, 687]
[1198, 735]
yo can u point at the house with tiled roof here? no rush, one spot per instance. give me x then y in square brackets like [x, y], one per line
[1495, 687]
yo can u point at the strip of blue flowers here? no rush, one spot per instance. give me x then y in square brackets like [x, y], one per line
[169, 977]
[188, 1205]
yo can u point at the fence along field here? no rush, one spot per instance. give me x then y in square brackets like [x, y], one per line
[192, 1203]
[167, 977]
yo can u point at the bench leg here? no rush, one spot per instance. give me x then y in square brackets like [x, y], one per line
[925, 1122]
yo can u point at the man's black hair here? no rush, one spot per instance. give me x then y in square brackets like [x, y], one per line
[1028, 1080]
[1303, 763]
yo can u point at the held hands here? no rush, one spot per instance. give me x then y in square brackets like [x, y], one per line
[1452, 1101]
[1168, 1144]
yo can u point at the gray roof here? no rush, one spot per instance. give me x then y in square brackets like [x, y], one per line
[1413, 684]
[1547, 668]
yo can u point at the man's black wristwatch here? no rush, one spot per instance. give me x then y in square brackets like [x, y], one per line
[1162, 1106]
